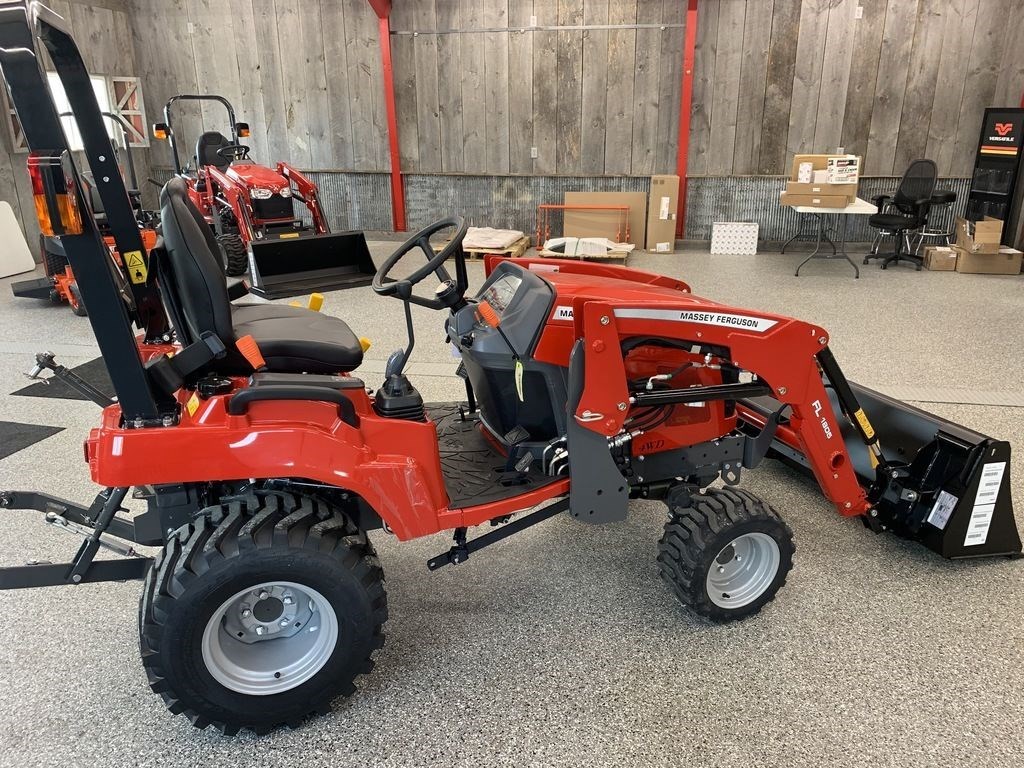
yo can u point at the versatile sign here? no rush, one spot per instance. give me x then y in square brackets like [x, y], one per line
[701, 317]
[1001, 134]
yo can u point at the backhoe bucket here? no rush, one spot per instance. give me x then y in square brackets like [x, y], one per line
[945, 485]
[288, 266]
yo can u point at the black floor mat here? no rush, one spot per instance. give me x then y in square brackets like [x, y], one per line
[95, 372]
[15, 436]
[472, 466]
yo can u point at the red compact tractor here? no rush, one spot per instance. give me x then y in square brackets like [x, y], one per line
[59, 285]
[251, 208]
[266, 461]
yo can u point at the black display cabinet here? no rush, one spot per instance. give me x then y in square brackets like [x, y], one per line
[995, 190]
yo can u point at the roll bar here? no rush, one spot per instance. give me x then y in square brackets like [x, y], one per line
[21, 25]
[195, 97]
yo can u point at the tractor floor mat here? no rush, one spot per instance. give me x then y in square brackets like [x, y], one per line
[15, 437]
[474, 469]
[94, 372]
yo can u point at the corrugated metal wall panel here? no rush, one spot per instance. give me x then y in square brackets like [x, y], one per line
[756, 198]
[363, 200]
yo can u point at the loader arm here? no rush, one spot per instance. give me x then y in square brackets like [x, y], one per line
[308, 194]
[784, 354]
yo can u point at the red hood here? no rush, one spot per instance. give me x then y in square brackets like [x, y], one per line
[253, 175]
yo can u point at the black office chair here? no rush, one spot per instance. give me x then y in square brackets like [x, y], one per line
[904, 212]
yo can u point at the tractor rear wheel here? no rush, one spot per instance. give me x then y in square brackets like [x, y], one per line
[725, 553]
[236, 256]
[260, 612]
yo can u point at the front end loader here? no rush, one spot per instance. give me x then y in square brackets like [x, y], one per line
[266, 463]
[252, 210]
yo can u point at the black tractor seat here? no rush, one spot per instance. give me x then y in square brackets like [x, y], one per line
[291, 339]
[206, 150]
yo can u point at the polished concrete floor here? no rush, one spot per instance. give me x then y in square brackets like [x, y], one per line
[562, 646]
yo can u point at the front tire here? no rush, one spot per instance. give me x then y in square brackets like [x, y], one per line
[725, 553]
[77, 305]
[236, 255]
[261, 612]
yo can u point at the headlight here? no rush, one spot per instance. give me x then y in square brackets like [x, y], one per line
[285, 192]
[261, 194]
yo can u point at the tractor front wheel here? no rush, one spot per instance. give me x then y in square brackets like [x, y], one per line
[77, 305]
[260, 612]
[236, 256]
[725, 553]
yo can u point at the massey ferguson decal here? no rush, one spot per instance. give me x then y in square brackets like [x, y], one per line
[562, 313]
[703, 317]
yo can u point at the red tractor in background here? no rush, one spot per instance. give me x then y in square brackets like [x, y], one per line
[60, 285]
[251, 208]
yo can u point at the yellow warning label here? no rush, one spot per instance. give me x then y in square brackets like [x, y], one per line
[136, 266]
[862, 419]
[289, 235]
[193, 404]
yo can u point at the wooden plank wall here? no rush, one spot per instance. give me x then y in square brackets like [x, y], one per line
[908, 79]
[490, 95]
[103, 32]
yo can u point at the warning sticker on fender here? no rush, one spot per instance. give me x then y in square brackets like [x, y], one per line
[942, 510]
[985, 503]
[723, 319]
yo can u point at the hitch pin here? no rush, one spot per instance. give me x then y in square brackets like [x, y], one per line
[62, 523]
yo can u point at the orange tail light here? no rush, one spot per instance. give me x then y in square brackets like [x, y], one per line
[54, 195]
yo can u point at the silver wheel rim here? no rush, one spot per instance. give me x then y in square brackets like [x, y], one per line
[742, 570]
[269, 638]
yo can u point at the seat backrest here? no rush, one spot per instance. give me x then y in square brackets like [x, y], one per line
[194, 269]
[918, 183]
[206, 150]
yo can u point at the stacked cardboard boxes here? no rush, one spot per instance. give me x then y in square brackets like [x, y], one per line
[822, 181]
[980, 250]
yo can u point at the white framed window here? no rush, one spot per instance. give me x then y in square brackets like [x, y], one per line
[118, 95]
[60, 99]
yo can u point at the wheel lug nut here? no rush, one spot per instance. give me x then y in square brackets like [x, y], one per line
[287, 599]
[260, 630]
[739, 559]
[721, 569]
[264, 595]
[283, 622]
[246, 613]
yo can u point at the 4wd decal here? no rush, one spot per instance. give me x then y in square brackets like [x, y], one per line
[704, 317]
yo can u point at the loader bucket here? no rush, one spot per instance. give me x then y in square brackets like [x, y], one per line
[944, 485]
[288, 266]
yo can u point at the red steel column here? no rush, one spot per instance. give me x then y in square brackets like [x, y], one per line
[685, 104]
[383, 10]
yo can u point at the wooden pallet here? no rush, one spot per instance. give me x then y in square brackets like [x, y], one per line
[514, 251]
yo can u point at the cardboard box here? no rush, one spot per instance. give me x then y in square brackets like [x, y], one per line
[815, 201]
[1006, 261]
[662, 206]
[982, 236]
[848, 191]
[940, 258]
[843, 170]
[606, 223]
[839, 169]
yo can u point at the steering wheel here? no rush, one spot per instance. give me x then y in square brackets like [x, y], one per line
[449, 293]
[232, 152]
